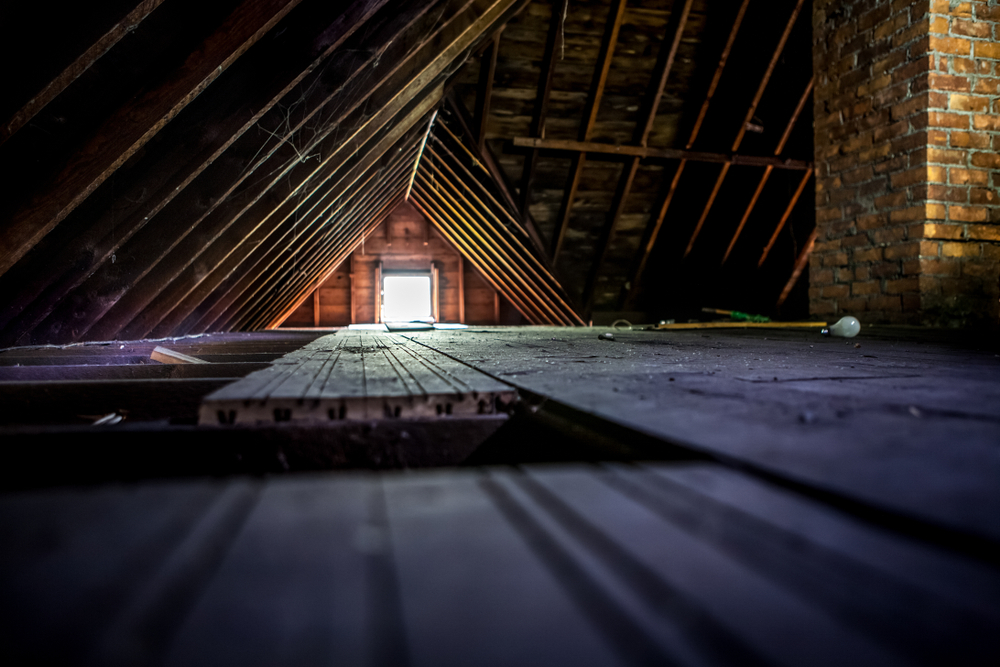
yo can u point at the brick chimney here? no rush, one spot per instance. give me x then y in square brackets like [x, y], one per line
[907, 130]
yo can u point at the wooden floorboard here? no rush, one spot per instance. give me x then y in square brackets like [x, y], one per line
[903, 425]
[357, 375]
[685, 563]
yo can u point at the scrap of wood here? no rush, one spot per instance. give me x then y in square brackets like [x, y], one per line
[742, 325]
[167, 356]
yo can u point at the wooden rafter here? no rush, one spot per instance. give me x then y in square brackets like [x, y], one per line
[159, 195]
[129, 129]
[650, 105]
[784, 216]
[743, 127]
[484, 91]
[800, 265]
[612, 26]
[554, 36]
[105, 43]
[654, 231]
[767, 172]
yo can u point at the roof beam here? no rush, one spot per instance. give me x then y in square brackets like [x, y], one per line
[214, 126]
[743, 127]
[130, 127]
[650, 105]
[105, 43]
[784, 217]
[654, 232]
[612, 26]
[642, 152]
[800, 264]
[484, 91]
[767, 172]
[540, 112]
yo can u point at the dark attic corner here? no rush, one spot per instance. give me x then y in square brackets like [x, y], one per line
[500, 332]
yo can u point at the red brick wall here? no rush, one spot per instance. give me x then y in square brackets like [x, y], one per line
[907, 125]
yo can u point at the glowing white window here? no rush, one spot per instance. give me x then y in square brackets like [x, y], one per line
[406, 298]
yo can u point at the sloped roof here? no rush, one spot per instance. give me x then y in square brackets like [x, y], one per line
[175, 167]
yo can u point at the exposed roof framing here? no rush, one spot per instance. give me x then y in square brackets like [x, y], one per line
[177, 167]
[246, 166]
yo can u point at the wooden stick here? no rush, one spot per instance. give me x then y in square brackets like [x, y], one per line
[167, 356]
[420, 154]
[784, 217]
[742, 325]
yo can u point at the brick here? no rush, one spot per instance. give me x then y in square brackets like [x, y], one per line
[909, 177]
[935, 211]
[907, 214]
[989, 50]
[845, 275]
[940, 267]
[874, 221]
[939, 25]
[984, 122]
[891, 200]
[889, 235]
[942, 193]
[970, 140]
[867, 287]
[822, 308]
[937, 174]
[901, 285]
[937, 137]
[936, 231]
[888, 63]
[936, 100]
[987, 86]
[858, 175]
[835, 291]
[902, 251]
[852, 304]
[972, 28]
[930, 248]
[984, 196]
[991, 252]
[929, 284]
[977, 268]
[946, 156]
[958, 176]
[950, 120]
[821, 276]
[954, 45]
[867, 255]
[835, 259]
[884, 302]
[956, 249]
[985, 160]
[909, 107]
[855, 241]
[968, 213]
[958, 102]
[958, 84]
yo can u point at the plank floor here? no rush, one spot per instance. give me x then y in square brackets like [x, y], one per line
[357, 375]
[839, 505]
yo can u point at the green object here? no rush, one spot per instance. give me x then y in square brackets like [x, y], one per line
[746, 317]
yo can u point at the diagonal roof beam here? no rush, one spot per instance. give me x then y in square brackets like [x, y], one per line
[743, 127]
[800, 265]
[484, 90]
[616, 14]
[767, 171]
[651, 103]
[52, 90]
[129, 128]
[654, 232]
[554, 36]
[247, 94]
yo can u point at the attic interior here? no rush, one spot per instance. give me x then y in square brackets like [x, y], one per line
[606, 427]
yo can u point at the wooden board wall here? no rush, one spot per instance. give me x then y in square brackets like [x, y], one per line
[405, 241]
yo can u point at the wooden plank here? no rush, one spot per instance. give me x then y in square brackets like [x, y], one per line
[357, 375]
[128, 371]
[167, 356]
[111, 541]
[514, 609]
[672, 578]
[295, 586]
[82, 63]
[128, 129]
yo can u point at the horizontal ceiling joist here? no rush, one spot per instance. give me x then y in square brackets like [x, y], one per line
[662, 153]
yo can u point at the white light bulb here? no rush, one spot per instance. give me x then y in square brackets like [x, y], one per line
[845, 327]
